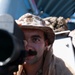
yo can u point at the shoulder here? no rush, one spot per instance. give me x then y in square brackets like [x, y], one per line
[63, 67]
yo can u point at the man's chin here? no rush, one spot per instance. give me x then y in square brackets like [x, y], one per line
[30, 60]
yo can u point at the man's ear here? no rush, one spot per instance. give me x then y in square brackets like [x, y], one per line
[48, 47]
[46, 42]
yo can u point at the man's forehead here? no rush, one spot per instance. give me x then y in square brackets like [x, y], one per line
[33, 33]
[33, 30]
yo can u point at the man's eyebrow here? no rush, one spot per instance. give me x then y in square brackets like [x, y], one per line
[36, 36]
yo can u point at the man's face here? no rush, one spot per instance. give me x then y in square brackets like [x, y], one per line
[35, 41]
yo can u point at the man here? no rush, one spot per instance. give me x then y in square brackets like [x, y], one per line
[39, 40]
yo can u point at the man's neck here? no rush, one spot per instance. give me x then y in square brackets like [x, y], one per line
[34, 68]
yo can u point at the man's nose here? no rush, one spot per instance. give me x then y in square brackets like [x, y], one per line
[27, 45]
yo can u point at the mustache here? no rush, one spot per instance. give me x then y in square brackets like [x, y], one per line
[30, 52]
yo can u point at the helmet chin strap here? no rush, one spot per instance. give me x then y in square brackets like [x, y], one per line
[49, 47]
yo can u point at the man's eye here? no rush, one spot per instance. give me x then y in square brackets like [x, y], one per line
[35, 39]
